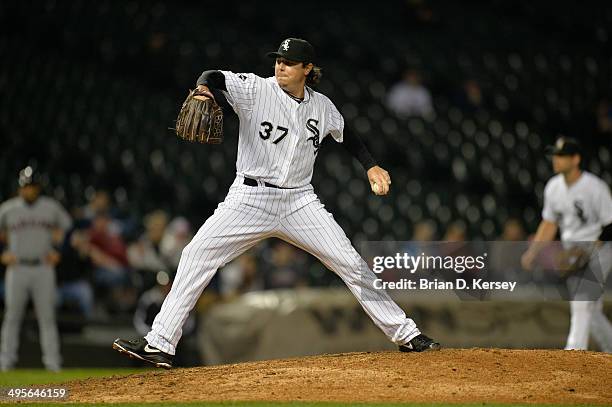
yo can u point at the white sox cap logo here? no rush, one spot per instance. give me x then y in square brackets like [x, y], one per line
[560, 143]
[285, 45]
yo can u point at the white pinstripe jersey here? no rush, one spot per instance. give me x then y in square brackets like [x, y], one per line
[279, 138]
[581, 210]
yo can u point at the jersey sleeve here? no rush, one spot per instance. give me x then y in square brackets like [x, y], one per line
[241, 90]
[547, 212]
[62, 219]
[604, 204]
[335, 123]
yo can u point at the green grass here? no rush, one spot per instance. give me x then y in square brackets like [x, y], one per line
[32, 377]
[24, 377]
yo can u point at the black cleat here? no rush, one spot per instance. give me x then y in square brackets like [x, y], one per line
[420, 343]
[140, 349]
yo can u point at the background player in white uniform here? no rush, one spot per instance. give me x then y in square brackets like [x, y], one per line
[32, 224]
[282, 123]
[578, 203]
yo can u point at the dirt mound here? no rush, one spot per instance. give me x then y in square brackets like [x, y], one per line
[451, 375]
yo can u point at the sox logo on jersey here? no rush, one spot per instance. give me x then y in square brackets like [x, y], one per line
[311, 126]
[278, 142]
[579, 206]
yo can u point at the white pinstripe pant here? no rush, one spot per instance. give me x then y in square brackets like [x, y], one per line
[250, 214]
[587, 316]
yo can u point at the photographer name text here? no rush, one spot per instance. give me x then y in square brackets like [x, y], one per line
[457, 284]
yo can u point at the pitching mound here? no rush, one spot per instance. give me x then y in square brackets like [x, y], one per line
[451, 375]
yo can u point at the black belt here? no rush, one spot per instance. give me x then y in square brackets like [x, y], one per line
[253, 183]
[30, 262]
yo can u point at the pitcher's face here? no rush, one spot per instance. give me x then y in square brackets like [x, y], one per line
[290, 73]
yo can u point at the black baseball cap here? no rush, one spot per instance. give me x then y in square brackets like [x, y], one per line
[564, 146]
[294, 49]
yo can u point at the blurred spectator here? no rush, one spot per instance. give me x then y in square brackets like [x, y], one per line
[150, 303]
[176, 237]
[240, 276]
[74, 289]
[409, 97]
[109, 256]
[470, 97]
[513, 231]
[108, 251]
[145, 254]
[505, 257]
[100, 202]
[456, 245]
[604, 117]
[148, 307]
[455, 232]
[286, 266]
[424, 231]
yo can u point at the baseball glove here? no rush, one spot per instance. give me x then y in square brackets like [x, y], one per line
[573, 260]
[200, 119]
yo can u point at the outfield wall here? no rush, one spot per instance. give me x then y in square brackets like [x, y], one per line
[285, 323]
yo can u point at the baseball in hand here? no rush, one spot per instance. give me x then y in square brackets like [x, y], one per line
[375, 188]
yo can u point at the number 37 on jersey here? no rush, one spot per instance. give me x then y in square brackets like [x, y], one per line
[277, 132]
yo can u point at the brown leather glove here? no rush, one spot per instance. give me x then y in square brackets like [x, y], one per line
[200, 119]
[573, 260]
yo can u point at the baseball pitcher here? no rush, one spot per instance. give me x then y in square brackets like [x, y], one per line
[282, 124]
